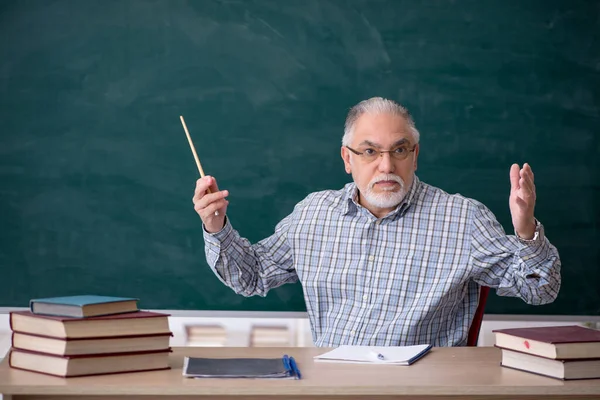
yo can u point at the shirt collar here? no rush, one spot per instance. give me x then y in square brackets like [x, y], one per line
[351, 198]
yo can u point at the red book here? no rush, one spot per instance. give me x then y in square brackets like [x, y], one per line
[134, 323]
[86, 365]
[561, 369]
[92, 345]
[557, 342]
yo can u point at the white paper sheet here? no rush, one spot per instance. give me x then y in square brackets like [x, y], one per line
[396, 355]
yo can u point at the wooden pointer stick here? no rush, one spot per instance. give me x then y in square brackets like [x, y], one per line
[189, 138]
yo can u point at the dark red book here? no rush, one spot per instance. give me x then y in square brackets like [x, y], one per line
[557, 342]
[588, 368]
[128, 324]
[86, 365]
[92, 345]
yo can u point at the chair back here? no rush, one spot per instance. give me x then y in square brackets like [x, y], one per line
[476, 324]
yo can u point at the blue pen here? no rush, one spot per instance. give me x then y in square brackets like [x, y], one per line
[295, 367]
[287, 364]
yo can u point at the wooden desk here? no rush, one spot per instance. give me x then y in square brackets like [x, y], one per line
[445, 373]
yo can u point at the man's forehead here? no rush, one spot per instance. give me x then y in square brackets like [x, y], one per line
[384, 125]
[382, 134]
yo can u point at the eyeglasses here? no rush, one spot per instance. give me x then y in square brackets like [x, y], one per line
[369, 155]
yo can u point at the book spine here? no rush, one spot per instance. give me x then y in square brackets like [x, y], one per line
[99, 355]
[533, 372]
[96, 337]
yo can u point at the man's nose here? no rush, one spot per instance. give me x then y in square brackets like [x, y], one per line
[386, 163]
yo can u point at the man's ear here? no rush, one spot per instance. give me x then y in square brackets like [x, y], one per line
[346, 157]
[416, 156]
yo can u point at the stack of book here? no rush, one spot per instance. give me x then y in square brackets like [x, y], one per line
[563, 352]
[88, 335]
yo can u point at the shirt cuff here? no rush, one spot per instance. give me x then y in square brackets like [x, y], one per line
[220, 239]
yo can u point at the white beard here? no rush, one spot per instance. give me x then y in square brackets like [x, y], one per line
[389, 197]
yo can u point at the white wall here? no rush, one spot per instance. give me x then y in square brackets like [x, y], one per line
[238, 328]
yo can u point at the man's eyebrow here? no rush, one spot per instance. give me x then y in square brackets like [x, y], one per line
[401, 142]
[378, 146]
[369, 143]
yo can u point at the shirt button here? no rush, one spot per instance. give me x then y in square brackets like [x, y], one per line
[365, 297]
[353, 333]
[378, 222]
[371, 258]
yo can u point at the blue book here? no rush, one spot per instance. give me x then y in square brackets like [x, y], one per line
[83, 306]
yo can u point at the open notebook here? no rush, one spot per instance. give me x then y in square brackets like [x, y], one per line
[394, 355]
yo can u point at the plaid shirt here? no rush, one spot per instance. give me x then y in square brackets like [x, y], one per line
[409, 278]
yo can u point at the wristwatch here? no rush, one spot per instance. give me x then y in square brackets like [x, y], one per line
[536, 234]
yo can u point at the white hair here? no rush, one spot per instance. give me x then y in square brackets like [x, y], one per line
[377, 105]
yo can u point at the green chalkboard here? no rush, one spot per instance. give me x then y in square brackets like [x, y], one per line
[96, 175]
